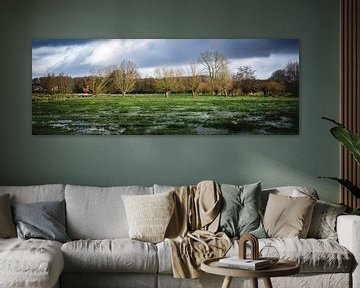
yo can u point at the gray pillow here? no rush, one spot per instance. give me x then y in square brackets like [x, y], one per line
[323, 222]
[44, 220]
[7, 227]
[240, 213]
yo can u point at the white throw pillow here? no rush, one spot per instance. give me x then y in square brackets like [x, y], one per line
[149, 215]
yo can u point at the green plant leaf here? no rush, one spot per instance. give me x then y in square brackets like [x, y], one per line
[347, 184]
[355, 211]
[348, 138]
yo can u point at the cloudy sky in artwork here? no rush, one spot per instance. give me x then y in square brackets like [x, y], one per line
[79, 57]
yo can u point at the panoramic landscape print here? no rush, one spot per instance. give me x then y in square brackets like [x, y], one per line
[165, 86]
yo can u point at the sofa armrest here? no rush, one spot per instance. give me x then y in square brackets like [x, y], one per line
[348, 230]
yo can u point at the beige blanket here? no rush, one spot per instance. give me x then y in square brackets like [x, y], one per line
[191, 231]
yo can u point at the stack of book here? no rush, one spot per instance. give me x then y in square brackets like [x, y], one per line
[248, 264]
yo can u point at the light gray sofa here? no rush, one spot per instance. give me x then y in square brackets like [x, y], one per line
[101, 254]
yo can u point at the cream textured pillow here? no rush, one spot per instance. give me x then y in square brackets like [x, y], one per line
[288, 217]
[323, 222]
[7, 226]
[149, 215]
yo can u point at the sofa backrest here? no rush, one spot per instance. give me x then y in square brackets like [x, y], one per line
[293, 191]
[98, 212]
[36, 193]
[162, 188]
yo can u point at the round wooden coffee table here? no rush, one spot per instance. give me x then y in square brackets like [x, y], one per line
[281, 268]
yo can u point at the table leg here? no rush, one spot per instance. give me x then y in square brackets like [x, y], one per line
[254, 282]
[227, 282]
[267, 283]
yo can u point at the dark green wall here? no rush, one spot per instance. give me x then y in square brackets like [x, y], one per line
[123, 160]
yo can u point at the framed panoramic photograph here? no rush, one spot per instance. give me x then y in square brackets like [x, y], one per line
[165, 86]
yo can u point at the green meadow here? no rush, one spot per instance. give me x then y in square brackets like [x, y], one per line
[153, 114]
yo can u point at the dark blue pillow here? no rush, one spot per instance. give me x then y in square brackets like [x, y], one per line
[43, 220]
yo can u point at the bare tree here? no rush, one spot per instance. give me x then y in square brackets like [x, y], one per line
[125, 76]
[272, 88]
[213, 63]
[167, 80]
[292, 77]
[203, 88]
[278, 76]
[49, 83]
[224, 80]
[98, 82]
[65, 83]
[194, 77]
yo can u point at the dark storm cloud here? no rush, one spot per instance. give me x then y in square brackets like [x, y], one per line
[79, 56]
[180, 51]
[251, 48]
[58, 42]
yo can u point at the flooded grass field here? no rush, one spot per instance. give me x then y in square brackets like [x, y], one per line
[157, 115]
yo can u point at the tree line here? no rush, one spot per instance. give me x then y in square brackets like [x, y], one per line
[208, 75]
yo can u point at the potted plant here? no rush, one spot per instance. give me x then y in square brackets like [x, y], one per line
[351, 141]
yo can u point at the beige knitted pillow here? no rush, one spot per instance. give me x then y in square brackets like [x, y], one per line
[149, 215]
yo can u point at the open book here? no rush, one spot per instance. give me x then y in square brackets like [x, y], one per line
[236, 262]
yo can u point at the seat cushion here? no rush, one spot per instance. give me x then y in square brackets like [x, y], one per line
[117, 255]
[164, 257]
[30, 263]
[313, 255]
[108, 280]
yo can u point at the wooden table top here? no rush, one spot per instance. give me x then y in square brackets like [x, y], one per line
[281, 268]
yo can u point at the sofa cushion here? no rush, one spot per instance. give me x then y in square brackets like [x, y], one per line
[323, 222]
[7, 226]
[313, 255]
[117, 255]
[43, 220]
[98, 212]
[109, 280]
[36, 193]
[149, 215]
[291, 191]
[30, 263]
[240, 210]
[163, 188]
[164, 257]
[287, 216]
